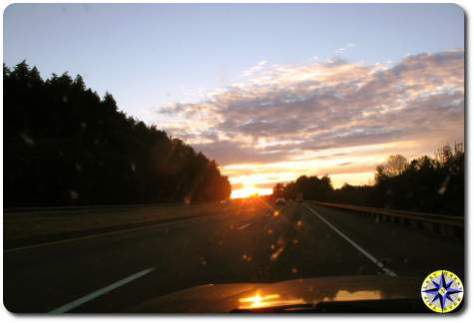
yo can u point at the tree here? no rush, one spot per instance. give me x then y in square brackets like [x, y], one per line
[394, 166]
[278, 190]
[311, 188]
[424, 184]
[64, 145]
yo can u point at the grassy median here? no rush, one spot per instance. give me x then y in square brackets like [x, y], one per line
[29, 227]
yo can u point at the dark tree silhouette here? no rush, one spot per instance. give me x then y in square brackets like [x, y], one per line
[423, 184]
[311, 188]
[64, 145]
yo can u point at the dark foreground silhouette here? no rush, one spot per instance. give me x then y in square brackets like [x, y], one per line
[64, 145]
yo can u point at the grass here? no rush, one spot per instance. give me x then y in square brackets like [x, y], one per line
[22, 228]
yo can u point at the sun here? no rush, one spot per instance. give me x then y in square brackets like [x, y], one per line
[246, 191]
[249, 190]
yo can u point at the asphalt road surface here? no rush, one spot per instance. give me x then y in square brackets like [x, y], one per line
[114, 272]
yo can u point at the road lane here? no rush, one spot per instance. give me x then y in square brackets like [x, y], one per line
[258, 245]
[367, 254]
[229, 255]
[40, 279]
[406, 250]
[89, 297]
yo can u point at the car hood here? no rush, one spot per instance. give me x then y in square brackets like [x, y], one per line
[220, 298]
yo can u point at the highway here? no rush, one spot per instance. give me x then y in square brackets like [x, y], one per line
[114, 272]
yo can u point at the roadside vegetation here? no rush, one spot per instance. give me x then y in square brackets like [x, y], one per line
[32, 226]
[424, 184]
[65, 145]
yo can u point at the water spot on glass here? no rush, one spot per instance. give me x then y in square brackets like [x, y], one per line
[444, 186]
[27, 139]
[277, 253]
[73, 195]
[203, 261]
[246, 258]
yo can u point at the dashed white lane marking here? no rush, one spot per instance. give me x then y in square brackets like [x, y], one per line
[354, 244]
[78, 302]
[244, 226]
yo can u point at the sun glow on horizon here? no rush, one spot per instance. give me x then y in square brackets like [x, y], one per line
[249, 190]
[338, 180]
[352, 165]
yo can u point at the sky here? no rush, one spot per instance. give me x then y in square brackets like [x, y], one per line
[269, 91]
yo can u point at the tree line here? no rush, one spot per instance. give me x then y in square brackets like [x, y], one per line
[65, 145]
[424, 184]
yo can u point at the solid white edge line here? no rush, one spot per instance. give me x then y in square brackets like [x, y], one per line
[78, 302]
[355, 245]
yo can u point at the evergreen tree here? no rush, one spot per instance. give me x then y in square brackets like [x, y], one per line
[64, 145]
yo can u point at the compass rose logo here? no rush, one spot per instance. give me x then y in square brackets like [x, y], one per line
[442, 291]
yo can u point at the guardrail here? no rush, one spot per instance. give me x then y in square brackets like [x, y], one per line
[438, 224]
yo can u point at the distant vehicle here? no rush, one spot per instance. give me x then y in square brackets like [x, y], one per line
[280, 201]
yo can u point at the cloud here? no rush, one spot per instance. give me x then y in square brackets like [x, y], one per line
[283, 112]
[255, 69]
[341, 50]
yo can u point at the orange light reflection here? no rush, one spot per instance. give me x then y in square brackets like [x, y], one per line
[270, 300]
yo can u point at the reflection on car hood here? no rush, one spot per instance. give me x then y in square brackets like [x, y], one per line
[219, 298]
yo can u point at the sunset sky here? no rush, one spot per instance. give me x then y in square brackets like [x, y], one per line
[268, 91]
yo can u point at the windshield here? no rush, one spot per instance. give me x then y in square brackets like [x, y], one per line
[189, 158]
